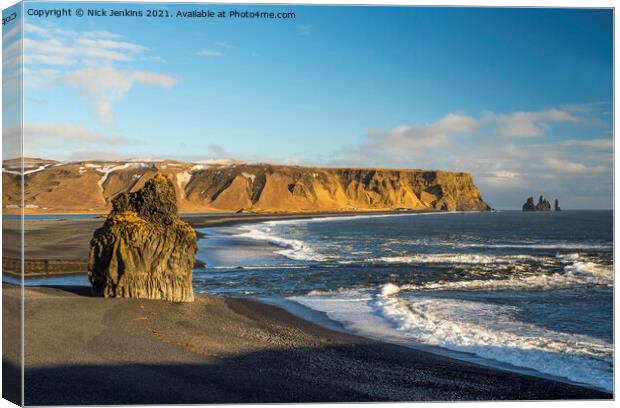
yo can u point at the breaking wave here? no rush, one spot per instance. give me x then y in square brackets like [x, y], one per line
[455, 258]
[294, 249]
[530, 296]
[492, 332]
[577, 274]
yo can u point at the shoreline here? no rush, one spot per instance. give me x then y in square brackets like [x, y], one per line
[202, 221]
[320, 318]
[210, 351]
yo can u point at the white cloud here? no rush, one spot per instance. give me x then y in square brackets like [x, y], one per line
[6, 37]
[86, 62]
[12, 54]
[506, 169]
[523, 124]
[110, 44]
[101, 34]
[60, 137]
[564, 166]
[592, 143]
[503, 179]
[422, 137]
[224, 44]
[49, 30]
[58, 133]
[62, 50]
[105, 86]
[208, 53]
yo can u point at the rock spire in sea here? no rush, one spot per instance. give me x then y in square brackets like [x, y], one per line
[542, 205]
[144, 249]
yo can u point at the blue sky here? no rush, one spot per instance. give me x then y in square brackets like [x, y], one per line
[522, 98]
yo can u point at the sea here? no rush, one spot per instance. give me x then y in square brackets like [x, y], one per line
[529, 292]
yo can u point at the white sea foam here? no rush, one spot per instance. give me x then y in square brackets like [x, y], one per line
[567, 257]
[294, 249]
[573, 275]
[454, 258]
[389, 289]
[603, 272]
[490, 331]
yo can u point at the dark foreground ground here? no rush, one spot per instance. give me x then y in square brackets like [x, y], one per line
[84, 350]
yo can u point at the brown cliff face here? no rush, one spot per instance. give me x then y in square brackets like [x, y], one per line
[144, 250]
[90, 186]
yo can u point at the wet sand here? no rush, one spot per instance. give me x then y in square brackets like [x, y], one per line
[55, 247]
[51, 247]
[85, 350]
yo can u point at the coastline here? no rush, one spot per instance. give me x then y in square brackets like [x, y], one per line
[202, 221]
[212, 349]
[320, 318]
[57, 245]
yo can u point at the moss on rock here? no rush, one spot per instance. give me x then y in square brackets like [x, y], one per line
[144, 249]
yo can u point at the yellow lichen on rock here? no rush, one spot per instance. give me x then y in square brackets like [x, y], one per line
[144, 249]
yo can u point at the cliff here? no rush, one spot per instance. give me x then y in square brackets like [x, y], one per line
[52, 187]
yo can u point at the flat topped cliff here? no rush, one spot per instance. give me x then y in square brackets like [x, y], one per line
[55, 187]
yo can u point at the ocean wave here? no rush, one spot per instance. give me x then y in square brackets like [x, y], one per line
[280, 266]
[492, 332]
[294, 249]
[538, 245]
[489, 330]
[603, 272]
[567, 257]
[574, 275]
[455, 258]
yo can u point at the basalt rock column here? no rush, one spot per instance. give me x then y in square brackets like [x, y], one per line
[543, 204]
[529, 205]
[144, 249]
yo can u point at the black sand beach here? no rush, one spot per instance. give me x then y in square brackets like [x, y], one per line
[84, 350]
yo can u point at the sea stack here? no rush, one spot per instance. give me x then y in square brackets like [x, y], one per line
[556, 207]
[529, 205]
[144, 250]
[542, 205]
